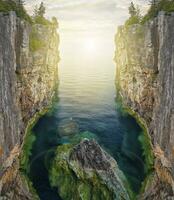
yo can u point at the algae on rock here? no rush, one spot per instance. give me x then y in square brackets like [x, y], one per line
[86, 171]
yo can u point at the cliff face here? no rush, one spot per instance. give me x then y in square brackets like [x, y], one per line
[28, 78]
[145, 80]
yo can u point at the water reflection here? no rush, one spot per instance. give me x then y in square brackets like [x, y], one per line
[87, 96]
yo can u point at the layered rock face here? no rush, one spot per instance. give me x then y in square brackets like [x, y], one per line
[28, 79]
[85, 171]
[145, 81]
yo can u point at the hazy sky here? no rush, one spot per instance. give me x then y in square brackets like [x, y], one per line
[87, 27]
[86, 15]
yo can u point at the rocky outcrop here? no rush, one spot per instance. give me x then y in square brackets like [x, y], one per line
[86, 171]
[145, 81]
[28, 79]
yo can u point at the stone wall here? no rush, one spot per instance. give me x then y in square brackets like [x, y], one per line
[145, 81]
[28, 79]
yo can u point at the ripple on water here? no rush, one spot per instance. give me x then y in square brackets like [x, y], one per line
[88, 100]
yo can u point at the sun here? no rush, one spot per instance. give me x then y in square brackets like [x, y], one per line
[90, 45]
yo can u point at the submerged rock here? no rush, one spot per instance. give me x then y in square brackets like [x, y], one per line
[68, 127]
[85, 171]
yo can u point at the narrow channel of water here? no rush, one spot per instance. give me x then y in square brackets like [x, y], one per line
[87, 95]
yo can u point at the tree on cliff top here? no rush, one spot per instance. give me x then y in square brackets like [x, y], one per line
[135, 16]
[132, 9]
[39, 11]
[156, 6]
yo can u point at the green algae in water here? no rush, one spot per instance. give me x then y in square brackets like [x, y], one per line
[43, 129]
[29, 140]
[73, 182]
[143, 138]
[147, 152]
[84, 135]
[78, 137]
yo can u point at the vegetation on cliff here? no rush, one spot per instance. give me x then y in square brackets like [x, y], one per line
[143, 138]
[155, 7]
[36, 43]
[39, 17]
[135, 16]
[6, 6]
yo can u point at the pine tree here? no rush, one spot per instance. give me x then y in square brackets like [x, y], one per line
[154, 2]
[41, 10]
[35, 11]
[19, 2]
[132, 10]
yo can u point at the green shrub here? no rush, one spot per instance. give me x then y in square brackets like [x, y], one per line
[135, 16]
[132, 20]
[35, 42]
[163, 5]
[42, 20]
[6, 6]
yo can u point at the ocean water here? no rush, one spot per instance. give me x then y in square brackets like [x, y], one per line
[87, 96]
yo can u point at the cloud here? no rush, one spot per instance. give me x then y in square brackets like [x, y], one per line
[83, 15]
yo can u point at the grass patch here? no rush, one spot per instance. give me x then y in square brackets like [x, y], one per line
[6, 6]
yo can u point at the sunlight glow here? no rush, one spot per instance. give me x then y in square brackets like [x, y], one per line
[90, 45]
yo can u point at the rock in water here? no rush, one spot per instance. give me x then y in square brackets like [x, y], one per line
[68, 128]
[86, 172]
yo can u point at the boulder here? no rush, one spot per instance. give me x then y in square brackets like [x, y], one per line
[86, 172]
[68, 128]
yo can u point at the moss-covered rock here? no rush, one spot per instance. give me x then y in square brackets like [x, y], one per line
[85, 171]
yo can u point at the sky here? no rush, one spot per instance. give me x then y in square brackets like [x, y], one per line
[87, 27]
[86, 15]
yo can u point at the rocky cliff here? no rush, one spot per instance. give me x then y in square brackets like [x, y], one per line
[28, 78]
[145, 81]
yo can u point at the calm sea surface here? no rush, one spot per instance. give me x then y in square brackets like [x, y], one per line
[87, 96]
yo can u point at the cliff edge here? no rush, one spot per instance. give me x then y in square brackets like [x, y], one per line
[145, 82]
[28, 79]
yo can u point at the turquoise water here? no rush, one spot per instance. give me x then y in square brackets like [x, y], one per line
[87, 96]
